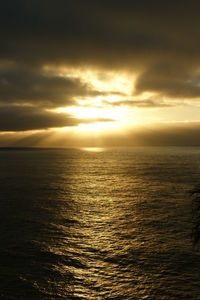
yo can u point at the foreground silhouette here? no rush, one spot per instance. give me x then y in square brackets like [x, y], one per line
[195, 193]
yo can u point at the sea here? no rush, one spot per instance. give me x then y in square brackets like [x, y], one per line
[99, 223]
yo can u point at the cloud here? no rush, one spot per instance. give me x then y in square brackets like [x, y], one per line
[146, 103]
[107, 33]
[172, 81]
[143, 36]
[16, 118]
[22, 85]
[157, 41]
[177, 134]
[171, 134]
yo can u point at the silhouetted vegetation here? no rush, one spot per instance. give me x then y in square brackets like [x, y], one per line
[195, 194]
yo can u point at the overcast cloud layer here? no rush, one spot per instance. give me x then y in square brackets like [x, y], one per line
[157, 40]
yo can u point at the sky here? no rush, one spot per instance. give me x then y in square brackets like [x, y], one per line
[99, 73]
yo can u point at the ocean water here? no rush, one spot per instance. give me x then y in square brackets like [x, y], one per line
[103, 224]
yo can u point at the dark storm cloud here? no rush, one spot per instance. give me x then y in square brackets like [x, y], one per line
[15, 118]
[158, 40]
[19, 85]
[172, 81]
[113, 33]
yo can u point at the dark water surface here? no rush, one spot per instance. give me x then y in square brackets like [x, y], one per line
[113, 224]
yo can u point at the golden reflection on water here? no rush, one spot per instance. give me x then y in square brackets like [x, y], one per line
[110, 225]
[93, 149]
[99, 246]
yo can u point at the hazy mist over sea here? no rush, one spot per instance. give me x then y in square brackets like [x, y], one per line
[98, 223]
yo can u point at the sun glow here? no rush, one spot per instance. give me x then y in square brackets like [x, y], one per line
[98, 113]
[108, 110]
[98, 120]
